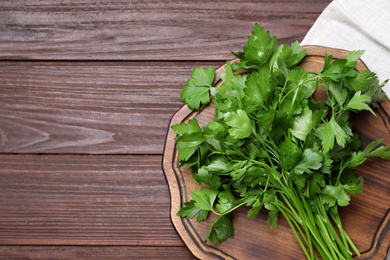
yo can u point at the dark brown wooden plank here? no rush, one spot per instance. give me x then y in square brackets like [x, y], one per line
[145, 30]
[93, 108]
[84, 200]
[93, 252]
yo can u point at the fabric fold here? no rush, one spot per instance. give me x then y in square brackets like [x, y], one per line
[357, 25]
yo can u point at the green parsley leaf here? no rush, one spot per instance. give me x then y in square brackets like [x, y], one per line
[354, 55]
[226, 201]
[204, 198]
[303, 124]
[331, 132]
[376, 93]
[270, 199]
[202, 215]
[315, 184]
[218, 164]
[215, 130]
[190, 128]
[235, 81]
[206, 177]
[202, 77]
[256, 207]
[266, 83]
[374, 149]
[265, 119]
[260, 48]
[356, 159]
[355, 187]
[363, 80]
[359, 102]
[254, 98]
[189, 210]
[311, 160]
[338, 92]
[273, 218]
[195, 96]
[291, 56]
[332, 194]
[240, 124]
[290, 154]
[188, 144]
[220, 230]
[196, 92]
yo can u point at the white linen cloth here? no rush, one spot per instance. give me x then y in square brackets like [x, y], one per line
[357, 25]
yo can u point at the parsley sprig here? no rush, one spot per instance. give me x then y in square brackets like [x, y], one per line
[272, 145]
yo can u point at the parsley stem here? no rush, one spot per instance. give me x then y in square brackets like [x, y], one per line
[307, 79]
[352, 244]
[291, 209]
[319, 249]
[302, 82]
[341, 230]
[295, 232]
[266, 144]
[266, 184]
[344, 235]
[342, 244]
[310, 216]
[339, 247]
[342, 167]
[281, 92]
[294, 98]
[325, 235]
[235, 207]
[288, 93]
[311, 225]
[343, 249]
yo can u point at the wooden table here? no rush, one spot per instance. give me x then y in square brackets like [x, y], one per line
[87, 89]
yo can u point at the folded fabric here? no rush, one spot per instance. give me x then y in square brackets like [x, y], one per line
[357, 25]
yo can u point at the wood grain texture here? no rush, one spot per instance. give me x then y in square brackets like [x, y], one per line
[84, 200]
[89, 108]
[145, 30]
[93, 252]
[366, 219]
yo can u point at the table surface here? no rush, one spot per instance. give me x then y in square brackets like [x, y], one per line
[87, 89]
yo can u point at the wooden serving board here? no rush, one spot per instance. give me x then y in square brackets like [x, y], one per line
[366, 219]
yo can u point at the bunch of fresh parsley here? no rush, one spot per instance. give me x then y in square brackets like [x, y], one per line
[272, 145]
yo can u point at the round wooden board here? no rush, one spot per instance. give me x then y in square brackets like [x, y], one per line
[366, 219]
